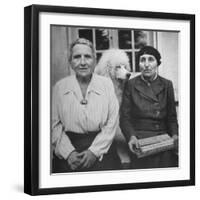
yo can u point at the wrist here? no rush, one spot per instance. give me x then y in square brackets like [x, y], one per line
[70, 154]
[92, 152]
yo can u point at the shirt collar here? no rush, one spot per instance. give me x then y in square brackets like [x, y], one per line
[71, 85]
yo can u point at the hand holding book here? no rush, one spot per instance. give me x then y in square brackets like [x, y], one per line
[151, 145]
[134, 145]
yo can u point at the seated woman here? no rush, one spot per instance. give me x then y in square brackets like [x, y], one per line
[148, 109]
[84, 116]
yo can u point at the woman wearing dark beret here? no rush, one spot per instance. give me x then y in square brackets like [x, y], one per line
[148, 109]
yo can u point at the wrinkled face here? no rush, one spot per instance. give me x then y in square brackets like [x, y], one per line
[83, 60]
[148, 65]
[121, 72]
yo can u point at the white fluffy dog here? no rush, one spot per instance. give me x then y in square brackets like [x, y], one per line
[114, 63]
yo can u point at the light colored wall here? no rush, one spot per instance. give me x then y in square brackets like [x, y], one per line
[167, 44]
[59, 61]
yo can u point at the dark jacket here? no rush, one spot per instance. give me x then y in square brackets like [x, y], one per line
[148, 108]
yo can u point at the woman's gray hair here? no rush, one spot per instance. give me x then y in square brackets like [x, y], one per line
[81, 41]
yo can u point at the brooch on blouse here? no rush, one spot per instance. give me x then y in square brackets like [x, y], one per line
[84, 101]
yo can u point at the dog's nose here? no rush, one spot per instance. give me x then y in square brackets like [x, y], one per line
[128, 75]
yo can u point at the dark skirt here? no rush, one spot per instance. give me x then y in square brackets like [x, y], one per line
[81, 142]
[161, 160]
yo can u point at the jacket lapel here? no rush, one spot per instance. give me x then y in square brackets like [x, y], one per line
[147, 91]
[158, 86]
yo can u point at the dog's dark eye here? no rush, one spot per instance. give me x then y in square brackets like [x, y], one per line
[118, 66]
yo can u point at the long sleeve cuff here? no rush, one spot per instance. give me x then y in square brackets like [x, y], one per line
[96, 153]
[64, 147]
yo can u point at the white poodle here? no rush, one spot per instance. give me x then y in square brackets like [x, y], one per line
[114, 63]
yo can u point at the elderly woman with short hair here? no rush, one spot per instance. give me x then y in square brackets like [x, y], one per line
[84, 116]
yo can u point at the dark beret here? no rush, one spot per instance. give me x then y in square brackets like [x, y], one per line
[151, 51]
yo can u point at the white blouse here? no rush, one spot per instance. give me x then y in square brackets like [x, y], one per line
[99, 114]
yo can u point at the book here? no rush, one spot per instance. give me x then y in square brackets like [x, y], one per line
[154, 145]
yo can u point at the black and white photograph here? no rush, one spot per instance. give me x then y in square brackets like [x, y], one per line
[109, 96]
[100, 100]
[114, 99]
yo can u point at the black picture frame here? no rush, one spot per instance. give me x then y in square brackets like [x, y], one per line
[32, 96]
